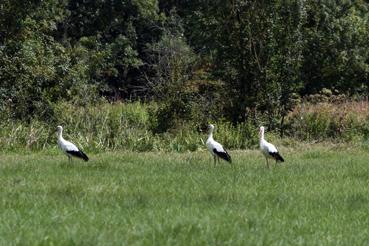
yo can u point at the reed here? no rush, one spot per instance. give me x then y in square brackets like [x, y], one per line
[128, 126]
[119, 126]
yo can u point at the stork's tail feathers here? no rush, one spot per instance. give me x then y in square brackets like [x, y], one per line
[224, 155]
[277, 157]
[85, 157]
[78, 154]
[229, 159]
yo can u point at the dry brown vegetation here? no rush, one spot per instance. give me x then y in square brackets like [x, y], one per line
[345, 119]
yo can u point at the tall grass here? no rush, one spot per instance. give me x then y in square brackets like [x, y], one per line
[319, 196]
[127, 126]
[123, 126]
[342, 121]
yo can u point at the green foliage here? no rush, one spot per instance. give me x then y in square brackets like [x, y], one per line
[172, 63]
[337, 34]
[238, 61]
[115, 35]
[38, 71]
[133, 126]
[268, 52]
[48, 57]
[255, 48]
[116, 126]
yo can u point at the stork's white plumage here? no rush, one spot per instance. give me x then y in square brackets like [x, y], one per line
[215, 148]
[69, 148]
[268, 149]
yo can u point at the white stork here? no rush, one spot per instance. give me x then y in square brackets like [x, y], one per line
[69, 148]
[215, 148]
[268, 149]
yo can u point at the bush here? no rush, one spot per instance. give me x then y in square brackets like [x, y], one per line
[343, 121]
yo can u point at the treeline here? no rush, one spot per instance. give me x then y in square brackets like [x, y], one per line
[200, 60]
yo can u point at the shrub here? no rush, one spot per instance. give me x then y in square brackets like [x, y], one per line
[342, 120]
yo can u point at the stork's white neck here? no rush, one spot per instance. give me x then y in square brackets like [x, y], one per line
[210, 134]
[60, 134]
[261, 134]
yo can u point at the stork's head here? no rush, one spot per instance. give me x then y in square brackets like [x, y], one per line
[211, 128]
[261, 131]
[59, 129]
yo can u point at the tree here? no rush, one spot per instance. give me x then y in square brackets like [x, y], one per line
[172, 64]
[116, 34]
[255, 47]
[336, 53]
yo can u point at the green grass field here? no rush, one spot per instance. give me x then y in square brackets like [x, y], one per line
[318, 197]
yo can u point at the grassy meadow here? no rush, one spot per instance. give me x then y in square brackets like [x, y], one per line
[319, 196]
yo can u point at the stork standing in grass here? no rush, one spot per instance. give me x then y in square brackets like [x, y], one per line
[268, 149]
[69, 148]
[215, 148]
